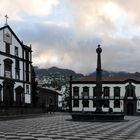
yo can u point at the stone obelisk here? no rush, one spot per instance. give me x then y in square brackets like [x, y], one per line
[99, 101]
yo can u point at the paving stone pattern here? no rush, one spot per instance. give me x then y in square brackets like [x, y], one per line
[60, 127]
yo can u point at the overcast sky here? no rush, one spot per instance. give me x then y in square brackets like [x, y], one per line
[66, 33]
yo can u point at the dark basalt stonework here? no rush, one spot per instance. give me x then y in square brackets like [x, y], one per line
[97, 117]
[99, 81]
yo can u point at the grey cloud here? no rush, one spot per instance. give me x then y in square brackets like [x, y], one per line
[122, 55]
[75, 47]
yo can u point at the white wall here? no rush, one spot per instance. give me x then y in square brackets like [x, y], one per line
[12, 53]
[122, 94]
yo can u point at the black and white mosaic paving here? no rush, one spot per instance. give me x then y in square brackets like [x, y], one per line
[59, 127]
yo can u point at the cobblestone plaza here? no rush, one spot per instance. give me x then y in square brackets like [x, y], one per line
[61, 127]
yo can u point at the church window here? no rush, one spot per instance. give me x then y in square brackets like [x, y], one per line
[16, 51]
[27, 76]
[17, 64]
[8, 68]
[27, 89]
[27, 55]
[17, 74]
[7, 48]
[27, 71]
[17, 69]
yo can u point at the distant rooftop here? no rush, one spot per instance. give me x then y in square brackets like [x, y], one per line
[108, 79]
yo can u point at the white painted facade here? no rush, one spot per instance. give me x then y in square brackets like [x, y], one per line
[129, 100]
[15, 69]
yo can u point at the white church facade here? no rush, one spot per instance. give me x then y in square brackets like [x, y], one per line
[15, 69]
[119, 93]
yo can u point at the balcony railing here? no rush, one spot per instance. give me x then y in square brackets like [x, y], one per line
[103, 97]
[106, 97]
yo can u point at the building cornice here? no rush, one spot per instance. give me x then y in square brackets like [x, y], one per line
[106, 82]
[14, 57]
[15, 80]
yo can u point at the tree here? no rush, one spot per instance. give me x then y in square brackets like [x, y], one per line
[66, 99]
[34, 87]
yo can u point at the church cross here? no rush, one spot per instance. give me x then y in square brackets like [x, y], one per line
[6, 17]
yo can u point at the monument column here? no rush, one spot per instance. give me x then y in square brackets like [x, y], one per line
[70, 96]
[99, 81]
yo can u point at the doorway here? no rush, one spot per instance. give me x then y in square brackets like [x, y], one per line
[130, 108]
[8, 92]
[19, 95]
[7, 96]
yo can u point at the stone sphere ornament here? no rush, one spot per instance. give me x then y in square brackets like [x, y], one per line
[99, 49]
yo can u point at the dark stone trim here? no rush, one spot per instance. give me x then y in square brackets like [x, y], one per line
[90, 116]
[13, 56]
[27, 48]
[31, 56]
[92, 99]
[16, 80]
[8, 61]
[104, 82]
[23, 69]
[17, 69]
[110, 99]
[0, 86]
[70, 100]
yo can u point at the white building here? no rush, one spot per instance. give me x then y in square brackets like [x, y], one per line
[15, 69]
[120, 94]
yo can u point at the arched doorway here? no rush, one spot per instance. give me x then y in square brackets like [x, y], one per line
[130, 100]
[130, 108]
[8, 92]
[19, 95]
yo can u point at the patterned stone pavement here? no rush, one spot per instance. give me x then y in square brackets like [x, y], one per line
[60, 127]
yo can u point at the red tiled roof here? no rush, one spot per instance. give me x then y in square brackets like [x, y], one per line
[119, 79]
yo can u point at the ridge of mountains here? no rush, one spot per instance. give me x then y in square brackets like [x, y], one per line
[68, 72]
[56, 71]
[116, 74]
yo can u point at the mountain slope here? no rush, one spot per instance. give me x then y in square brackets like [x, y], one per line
[116, 74]
[67, 72]
[56, 71]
